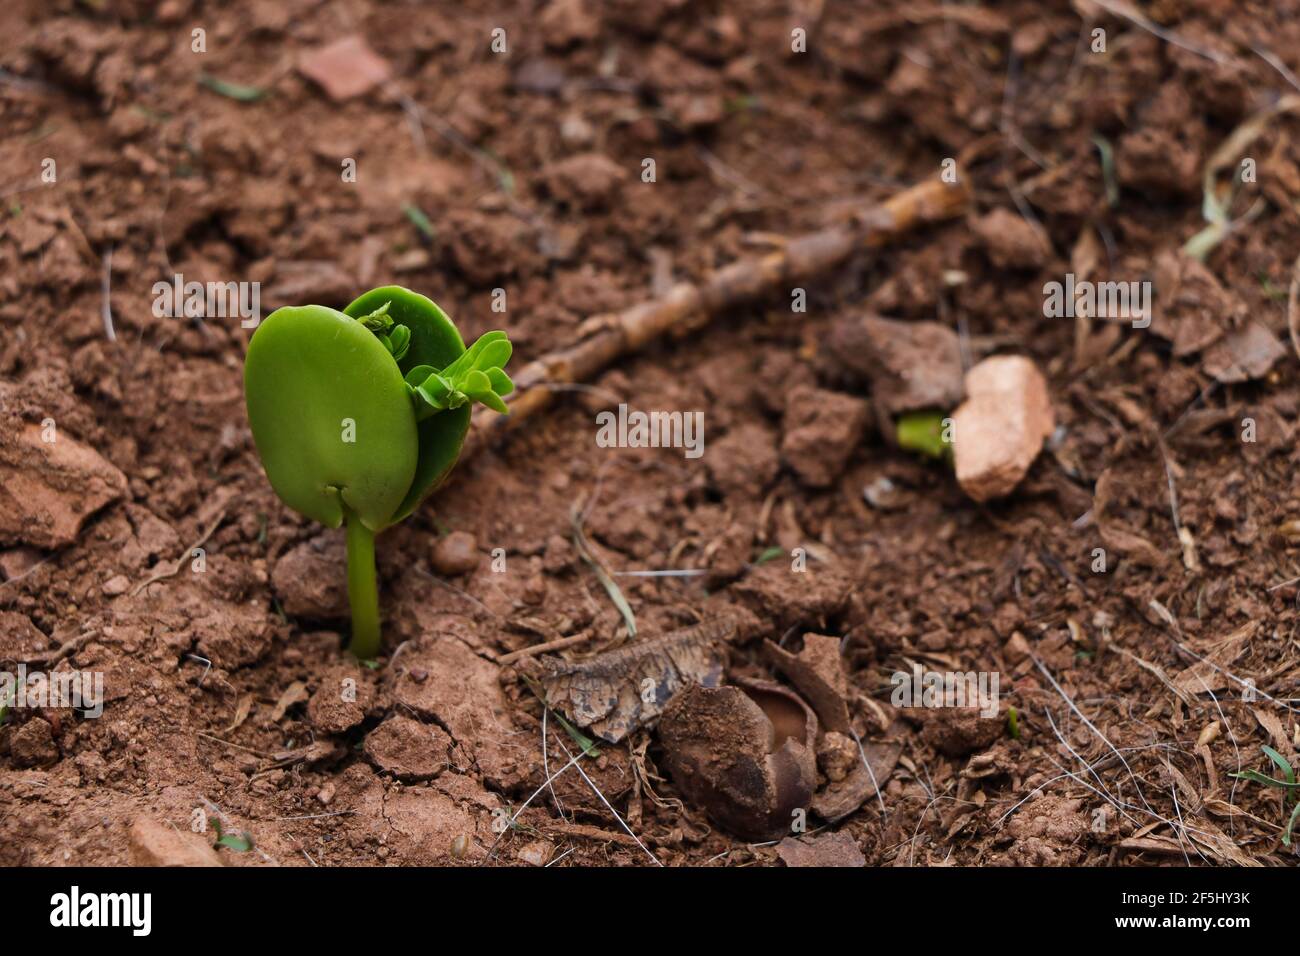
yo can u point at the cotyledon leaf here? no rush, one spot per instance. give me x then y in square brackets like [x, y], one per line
[435, 343]
[330, 416]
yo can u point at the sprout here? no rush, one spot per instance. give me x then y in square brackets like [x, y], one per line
[924, 432]
[358, 415]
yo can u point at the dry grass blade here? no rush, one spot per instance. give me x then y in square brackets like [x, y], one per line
[1292, 312]
[611, 587]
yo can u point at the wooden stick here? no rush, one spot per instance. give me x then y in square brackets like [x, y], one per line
[687, 306]
[556, 645]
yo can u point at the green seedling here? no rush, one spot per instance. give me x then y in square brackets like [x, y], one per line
[924, 432]
[237, 842]
[1287, 784]
[358, 415]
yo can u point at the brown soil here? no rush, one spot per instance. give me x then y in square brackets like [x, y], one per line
[222, 685]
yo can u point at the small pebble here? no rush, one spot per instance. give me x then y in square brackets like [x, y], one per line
[116, 585]
[455, 553]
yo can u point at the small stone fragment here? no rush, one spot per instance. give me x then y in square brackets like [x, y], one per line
[1010, 241]
[537, 853]
[825, 849]
[1017, 648]
[455, 553]
[1000, 428]
[49, 488]
[344, 68]
[157, 844]
[116, 585]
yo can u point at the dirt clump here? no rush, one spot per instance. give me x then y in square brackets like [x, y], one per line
[409, 749]
[51, 484]
[311, 579]
[341, 700]
[909, 366]
[820, 431]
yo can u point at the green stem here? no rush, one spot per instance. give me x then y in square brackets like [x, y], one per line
[363, 589]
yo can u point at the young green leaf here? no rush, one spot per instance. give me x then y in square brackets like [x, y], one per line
[399, 342]
[923, 432]
[436, 392]
[378, 320]
[1290, 825]
[501, 383]
[478, 386]
[238, 842]
[1256, 777]
[1280, 762]
[234, 91]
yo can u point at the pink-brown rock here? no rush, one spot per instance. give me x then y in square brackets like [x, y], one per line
[49, 488]
[153, 843]
[345, 68]
[1000, 428]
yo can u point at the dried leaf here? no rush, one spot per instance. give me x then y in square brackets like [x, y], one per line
[242, 710]
[1270, 722]
[1208, 675]
[818, 673]
[614, 693]
[295, 693]
[837, 800]
[1244, 355]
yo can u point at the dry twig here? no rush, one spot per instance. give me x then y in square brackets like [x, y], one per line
[687, 306]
